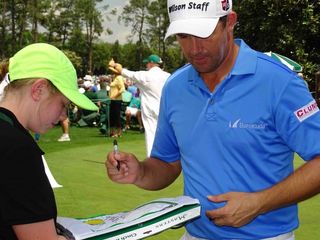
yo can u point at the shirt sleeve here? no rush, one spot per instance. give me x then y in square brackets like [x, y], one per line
[138, 77]
[297, 119]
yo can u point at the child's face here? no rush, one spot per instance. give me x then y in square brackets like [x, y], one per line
[51, 110]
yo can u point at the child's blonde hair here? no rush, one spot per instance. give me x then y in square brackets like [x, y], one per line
[15, 85]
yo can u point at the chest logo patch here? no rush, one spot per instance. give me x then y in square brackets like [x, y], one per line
[307, 111]
[239, 124]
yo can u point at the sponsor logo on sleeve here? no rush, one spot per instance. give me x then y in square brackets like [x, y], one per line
[307, 111]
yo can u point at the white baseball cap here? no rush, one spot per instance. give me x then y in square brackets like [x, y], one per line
[87, 84]
[88, 78]
[198, 17]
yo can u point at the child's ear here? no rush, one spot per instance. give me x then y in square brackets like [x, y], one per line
[38, 89]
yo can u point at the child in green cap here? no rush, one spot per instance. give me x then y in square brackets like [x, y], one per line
[42, 82]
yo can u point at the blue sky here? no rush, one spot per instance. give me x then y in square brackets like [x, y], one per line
[120, 32]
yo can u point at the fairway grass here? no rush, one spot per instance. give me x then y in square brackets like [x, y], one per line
[78, 165]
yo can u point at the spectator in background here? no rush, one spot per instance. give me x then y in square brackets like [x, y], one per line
[103, 104]
[131, 87]
[96, 84]
[117, 87]
[134, 110]
[65, 130]
[126, 95]
[5, 81]
[88, 91]
[88, 117]
[102, 92]
[150, 83]
[88, 78]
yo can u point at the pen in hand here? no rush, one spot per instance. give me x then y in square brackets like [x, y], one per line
[116, 150]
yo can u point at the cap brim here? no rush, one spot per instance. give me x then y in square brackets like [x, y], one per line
[202, 28]
[78, 99]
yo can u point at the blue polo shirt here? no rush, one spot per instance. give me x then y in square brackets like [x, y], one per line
[241, 137]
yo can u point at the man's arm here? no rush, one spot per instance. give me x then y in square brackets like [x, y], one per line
[241, 208]
[156, 174]
[301, 185]
[139, 77]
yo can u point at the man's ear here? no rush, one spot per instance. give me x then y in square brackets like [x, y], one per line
[232, 20]
[38, 89]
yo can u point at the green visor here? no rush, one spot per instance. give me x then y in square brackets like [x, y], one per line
[41, 60]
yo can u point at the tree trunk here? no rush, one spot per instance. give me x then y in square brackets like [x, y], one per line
[13, 26]
[3, 31]
[35, 21]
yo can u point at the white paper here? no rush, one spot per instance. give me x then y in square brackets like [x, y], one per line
[85, 228]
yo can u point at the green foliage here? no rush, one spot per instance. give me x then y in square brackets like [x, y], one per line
[158, 22]
[290, 28]
[129, 56]
[173, 59]
[75, 59]
[135, 14]
[116, 51]
[101, 55]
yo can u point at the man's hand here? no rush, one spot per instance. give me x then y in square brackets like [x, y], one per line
[240, 209]
[129, 170]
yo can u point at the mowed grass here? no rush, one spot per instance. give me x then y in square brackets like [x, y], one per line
[78, 165]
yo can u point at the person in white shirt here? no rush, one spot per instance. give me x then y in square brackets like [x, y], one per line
[3, 84]
[150, 83]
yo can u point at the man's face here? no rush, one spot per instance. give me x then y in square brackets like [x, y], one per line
[149, 65]
[206, 54]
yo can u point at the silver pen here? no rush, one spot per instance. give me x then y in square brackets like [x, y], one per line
[116, 150]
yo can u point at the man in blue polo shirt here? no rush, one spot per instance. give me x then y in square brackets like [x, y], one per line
[246, 115]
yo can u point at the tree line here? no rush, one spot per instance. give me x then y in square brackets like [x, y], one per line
[289, 27]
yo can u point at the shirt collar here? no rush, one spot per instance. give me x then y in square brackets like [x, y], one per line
[246, 61]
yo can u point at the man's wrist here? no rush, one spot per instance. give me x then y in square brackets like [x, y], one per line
[139, 180]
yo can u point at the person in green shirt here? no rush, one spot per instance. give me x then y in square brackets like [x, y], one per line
[134, 109]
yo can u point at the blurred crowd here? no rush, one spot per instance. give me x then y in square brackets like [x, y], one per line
[125, 100]
[97, 88]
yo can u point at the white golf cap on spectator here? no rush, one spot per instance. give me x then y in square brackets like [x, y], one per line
[88, 77]
[198, 18]
[87, 84]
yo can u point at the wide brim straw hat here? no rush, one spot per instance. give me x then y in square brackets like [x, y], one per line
[112, 69]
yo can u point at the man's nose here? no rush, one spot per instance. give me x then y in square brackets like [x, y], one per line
[195, 44]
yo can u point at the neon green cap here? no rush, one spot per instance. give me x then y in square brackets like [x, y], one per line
[42, 60]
